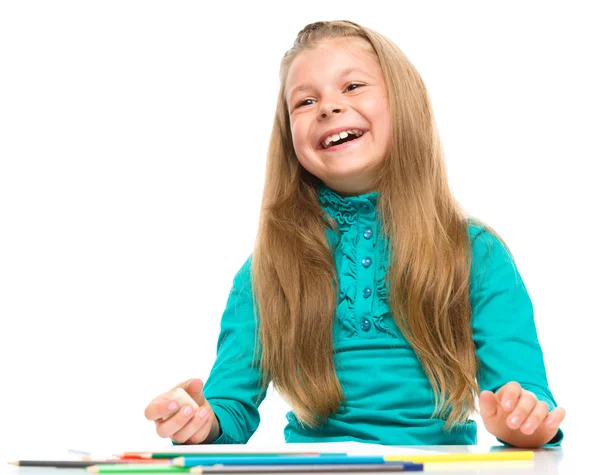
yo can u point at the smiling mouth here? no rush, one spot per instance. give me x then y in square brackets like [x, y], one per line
[342, 137]
[349, 141]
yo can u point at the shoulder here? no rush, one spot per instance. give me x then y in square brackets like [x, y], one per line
[244, 274]
[485, 242]
[488, 249]
[492, 264]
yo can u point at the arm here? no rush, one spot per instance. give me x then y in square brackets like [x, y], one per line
[233, 387]
[503, 325]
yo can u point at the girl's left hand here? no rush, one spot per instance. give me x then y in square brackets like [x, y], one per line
[516, 416]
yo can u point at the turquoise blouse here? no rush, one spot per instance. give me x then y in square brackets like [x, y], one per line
[389, 399]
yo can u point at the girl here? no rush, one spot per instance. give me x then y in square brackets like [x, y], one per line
[377, 308]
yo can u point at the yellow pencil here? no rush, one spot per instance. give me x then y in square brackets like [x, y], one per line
[463, 457]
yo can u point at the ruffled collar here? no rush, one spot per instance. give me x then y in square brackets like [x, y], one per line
[346, 209]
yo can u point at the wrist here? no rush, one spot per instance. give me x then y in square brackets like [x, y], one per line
[517, 439]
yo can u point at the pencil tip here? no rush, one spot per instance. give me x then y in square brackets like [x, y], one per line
[92, 468]
[13, 463]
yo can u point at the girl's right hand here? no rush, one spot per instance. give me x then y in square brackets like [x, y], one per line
[185, 424]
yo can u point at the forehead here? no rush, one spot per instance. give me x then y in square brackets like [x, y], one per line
[328, 59]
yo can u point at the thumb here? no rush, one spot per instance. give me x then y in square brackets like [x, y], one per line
[194, 388]
[488, 405]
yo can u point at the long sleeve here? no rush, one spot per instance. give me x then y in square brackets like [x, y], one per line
[233, 387]
[504, 330]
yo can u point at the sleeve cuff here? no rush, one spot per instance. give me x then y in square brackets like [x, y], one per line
[556, 440]
[225, 421]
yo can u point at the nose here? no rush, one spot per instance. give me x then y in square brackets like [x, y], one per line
[333, 111]
[329, 108]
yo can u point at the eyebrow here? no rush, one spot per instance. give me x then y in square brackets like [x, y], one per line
[343, 73]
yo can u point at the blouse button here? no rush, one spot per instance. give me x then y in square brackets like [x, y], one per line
[366, 262]
[366, 324]
[366, 292]
[368, 234]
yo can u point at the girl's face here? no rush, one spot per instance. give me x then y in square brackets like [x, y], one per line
[337, 101]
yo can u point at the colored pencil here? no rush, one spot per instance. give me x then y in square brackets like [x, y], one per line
[329, 468]
[335, 459]
[284, 460]
[137, 468]
[170, 455]
[82, 463]
[464, 457]
[253, 469]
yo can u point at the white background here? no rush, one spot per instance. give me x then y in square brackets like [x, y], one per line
[133, 137]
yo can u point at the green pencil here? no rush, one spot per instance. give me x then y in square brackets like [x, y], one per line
[259, 469]
[137, 468]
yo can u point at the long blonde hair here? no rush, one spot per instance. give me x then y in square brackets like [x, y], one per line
[293, 272]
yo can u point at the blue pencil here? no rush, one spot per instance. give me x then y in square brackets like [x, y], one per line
[191, 461]
[306, 469]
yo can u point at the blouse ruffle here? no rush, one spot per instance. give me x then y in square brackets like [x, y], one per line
[344, 242]
[340, 209]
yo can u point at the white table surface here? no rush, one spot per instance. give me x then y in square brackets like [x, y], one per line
[546, 461]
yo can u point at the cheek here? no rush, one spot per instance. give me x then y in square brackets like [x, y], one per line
[296, 142]
[296, 133]
[385, 128]
[372, 109]
[299, 137]
[380, 120]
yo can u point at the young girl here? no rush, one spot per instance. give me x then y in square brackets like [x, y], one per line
[377, 308]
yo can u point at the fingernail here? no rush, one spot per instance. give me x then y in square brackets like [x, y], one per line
[172, 406]
[203, 412]
[188, 411]
[508, 404]
[527, 426]
[550, 422]
[514, 420]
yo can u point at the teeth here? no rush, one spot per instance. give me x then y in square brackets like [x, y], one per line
[341, 135]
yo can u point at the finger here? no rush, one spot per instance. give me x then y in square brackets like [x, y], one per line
[169, 427]
[509, 395]
[201, 435]
[160, 407]
[196, 424]
[488, 404]
[555, 418]
[197, 430]
[182, 385]
[535, 418]
[525, 404]
[204, 431]
[194, 388]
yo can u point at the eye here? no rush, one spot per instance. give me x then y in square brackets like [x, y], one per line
[353, 84]
[304, 102]
[350, 87]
